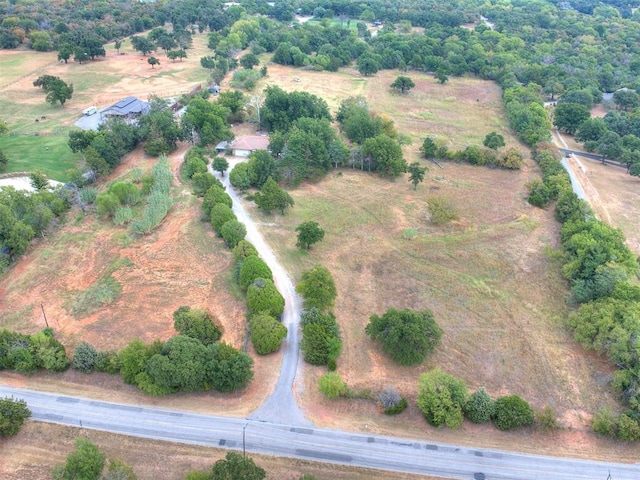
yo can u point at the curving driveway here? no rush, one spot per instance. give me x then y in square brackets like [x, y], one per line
[281, 406]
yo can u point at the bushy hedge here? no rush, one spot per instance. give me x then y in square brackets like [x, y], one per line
[263, 296]
[512, 412]
[321, 343]
[29, 353]
[196, 323]
[253, 267]
[267, 333]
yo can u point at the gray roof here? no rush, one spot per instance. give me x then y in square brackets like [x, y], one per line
[127, 106]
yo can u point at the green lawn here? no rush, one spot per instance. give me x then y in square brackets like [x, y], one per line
[50, 153]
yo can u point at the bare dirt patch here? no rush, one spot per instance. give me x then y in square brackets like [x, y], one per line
[181, 263]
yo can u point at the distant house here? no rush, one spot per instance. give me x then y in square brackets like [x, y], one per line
[129, 108]
[214, 89]
[244, 145]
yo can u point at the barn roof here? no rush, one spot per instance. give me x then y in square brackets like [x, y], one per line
[251, 142]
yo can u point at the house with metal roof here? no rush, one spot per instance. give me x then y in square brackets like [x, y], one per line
[127, 108]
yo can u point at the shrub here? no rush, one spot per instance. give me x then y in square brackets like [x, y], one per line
[391, 402]
[512, 412]
[13, 413]
[196, 323]
[480, 406]
[232, 232]
[253, 267]
[134, 357]
[214, 195]
[239, 177]
[194, 164]
[243, 250]
[267, 334]
[123, 215]
[441, 398]
[107, 204]
[221, 214]
[230, 370]
[539, 194]
[405, 335]
[126, 192]
[87, 194]
[263, 296]
[604, 422]
[158, 202]
[84, 358]
[85, 462]
[628, 428]
[331, 385]
[547, 419]
[441, 210]
[107, 362]
[203, 182]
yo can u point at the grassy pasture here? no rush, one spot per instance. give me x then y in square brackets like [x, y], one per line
[100, 83]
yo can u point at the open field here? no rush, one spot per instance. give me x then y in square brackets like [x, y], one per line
[40, 446]
[499, 298]
[100, 83]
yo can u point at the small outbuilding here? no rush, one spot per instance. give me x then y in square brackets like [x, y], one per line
[243, 146]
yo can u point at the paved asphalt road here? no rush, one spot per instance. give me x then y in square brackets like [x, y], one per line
[332, 446]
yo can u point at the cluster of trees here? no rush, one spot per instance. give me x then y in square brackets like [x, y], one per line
[29, 353]
[321, 343]
[103, 149]
[376, 139]
[510, 159]
[25, 215]
[444, 401]
[405, 335]
[599, 267]
[192, 361]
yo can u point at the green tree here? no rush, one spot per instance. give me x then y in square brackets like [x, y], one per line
[84, 358]
[416, 173]
[368, 64]
[253, 267]
[569, 116]
[493, 140]
[331, 385]
[13, 413]
[86, 462]
[228, 370]
[407, 336]
[208, 63]
[267, 333]
[243, 250]
[196, 323]
[429, 148]
[65, 52]
[143, 45]
[117, 45]
[272, 197]
[153, 61]
[239, 177]
[441, 398]
[480, 406]
[264, 297]
[55, 88]
[4, 128]
[320, 342]
[235, 467]
[610, 146]
[512, 412]
[249, 61]
[232, 232]
[402, 83]
[220, 165]
[385, 154]
[221, 214]
[317, 288]
[308, 234]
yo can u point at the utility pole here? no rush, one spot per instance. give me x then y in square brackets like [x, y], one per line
[45, 316]
[244, 445]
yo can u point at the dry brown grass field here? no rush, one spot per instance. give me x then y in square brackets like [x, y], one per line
[497, 295]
